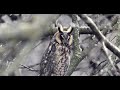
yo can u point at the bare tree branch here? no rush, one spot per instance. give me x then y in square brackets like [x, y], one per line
[109, 58]
[29, 68]
[76, 58]
[99, 35]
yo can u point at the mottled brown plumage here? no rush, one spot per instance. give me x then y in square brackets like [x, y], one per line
[56, 60]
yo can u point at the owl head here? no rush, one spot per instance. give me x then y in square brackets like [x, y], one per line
[64, 35]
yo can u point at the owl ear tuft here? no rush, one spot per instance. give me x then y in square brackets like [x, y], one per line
[70, 29]
[60, 28]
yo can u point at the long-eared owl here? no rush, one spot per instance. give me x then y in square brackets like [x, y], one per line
[56, 60]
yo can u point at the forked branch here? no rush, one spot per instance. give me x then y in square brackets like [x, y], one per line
[99, 35]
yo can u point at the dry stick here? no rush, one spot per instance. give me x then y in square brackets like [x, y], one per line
[99, 35]
[99, 68]
[31, 66]
[106, 53]
[30, 69]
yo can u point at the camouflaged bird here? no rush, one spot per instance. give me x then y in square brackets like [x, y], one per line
[56, 60]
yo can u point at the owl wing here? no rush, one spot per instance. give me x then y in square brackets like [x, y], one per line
[47, 63]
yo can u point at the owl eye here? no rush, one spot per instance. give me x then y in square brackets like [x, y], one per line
[62, 37]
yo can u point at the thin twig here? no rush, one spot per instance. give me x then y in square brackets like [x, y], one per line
[106, 54]
[99, 68]
[30, 69]
[31, 66]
